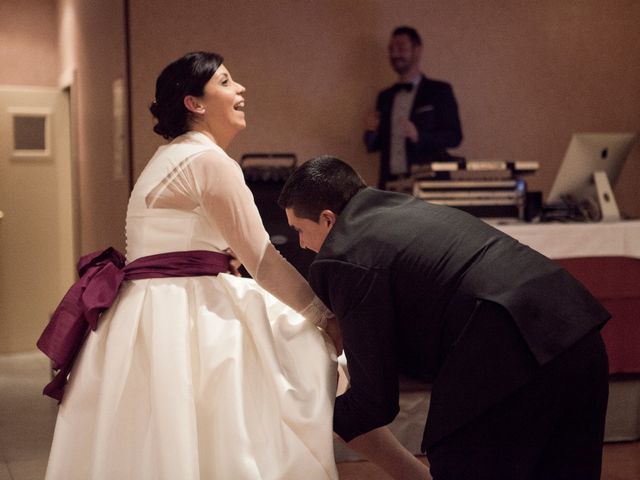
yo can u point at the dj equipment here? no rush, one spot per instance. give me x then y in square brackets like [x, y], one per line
[484, 188]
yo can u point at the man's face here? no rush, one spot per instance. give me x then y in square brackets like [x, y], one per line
[311, 234]
[402, 54]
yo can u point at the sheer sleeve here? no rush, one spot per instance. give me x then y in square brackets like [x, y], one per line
[215, 183]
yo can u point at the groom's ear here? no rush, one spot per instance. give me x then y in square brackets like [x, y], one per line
[328, 218]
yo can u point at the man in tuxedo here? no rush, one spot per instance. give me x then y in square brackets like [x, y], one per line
[508, 338]
[415, 120]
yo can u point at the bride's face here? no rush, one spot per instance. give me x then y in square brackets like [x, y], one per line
[223, 104]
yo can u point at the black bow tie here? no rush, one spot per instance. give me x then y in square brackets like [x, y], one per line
[403, 86]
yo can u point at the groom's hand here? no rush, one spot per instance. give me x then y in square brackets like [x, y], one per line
[333, 330]
[234, 263]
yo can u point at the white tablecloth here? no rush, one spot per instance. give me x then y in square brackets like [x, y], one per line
[571, 240]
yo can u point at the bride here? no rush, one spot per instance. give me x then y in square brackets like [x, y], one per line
[194, 373]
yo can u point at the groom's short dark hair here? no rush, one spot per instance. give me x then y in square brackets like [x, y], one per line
[322, 183]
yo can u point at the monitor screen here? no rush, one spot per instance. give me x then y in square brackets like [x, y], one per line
[589, 153]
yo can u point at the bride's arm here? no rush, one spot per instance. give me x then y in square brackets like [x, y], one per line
[228, 203]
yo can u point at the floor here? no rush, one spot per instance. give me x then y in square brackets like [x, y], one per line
[27, 420]
[26, 417]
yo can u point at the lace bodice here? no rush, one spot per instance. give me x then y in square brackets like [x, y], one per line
[192, 196]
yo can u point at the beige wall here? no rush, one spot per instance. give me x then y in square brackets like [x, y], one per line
[90, 35]
[76, 43]
[92, 51]
[28, 43]
[526, 74]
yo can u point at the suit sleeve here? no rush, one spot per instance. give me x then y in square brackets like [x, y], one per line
[372, 137]
[443, 130]
[360, 298]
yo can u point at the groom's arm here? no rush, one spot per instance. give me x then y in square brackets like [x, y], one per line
[361, 300]
[359, 297]
[382, 448]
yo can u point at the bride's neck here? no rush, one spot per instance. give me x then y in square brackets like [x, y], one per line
[222, 141]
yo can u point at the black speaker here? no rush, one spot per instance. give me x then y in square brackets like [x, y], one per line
[532, 206]
[265, 174]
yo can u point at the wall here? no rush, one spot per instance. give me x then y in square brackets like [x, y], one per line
[526, 75]
[78, 44]
[28, 51]
[29, 60]
[92, 52]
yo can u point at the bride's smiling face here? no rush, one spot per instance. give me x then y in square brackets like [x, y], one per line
[222, 104]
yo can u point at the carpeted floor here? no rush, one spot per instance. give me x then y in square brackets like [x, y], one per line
[27, 420]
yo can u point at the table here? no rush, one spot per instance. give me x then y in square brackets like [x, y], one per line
[572, 240]
[605, 257]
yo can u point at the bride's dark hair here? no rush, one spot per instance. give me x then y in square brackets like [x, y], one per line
[186, 76]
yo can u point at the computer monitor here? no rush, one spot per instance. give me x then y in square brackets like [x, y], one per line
[591, 166]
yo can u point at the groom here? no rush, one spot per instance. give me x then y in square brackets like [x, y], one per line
[508, 338]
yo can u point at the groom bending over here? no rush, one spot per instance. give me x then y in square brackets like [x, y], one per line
[509, 339]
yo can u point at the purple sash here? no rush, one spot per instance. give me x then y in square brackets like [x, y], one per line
[101, 274]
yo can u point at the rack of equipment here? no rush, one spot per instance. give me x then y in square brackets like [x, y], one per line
[484, 188]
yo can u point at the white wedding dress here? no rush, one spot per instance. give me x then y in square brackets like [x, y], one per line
[208, 377]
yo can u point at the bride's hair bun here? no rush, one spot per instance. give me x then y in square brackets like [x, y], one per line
[186, 76]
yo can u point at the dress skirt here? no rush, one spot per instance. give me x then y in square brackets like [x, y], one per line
[198, 378]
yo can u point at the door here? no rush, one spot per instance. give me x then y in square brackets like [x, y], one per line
[37, 249]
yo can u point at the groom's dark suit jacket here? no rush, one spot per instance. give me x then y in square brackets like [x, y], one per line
[434, 113]
[404, 276]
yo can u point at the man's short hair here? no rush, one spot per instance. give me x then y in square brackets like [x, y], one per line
[322, 183]
[410, 32]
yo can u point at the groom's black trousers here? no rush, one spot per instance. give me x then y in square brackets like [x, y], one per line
[542, 422]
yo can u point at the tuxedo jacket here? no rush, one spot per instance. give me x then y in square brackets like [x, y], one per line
[404, 276]
[434, 113]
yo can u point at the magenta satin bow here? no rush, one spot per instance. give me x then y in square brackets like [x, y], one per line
[101, 274]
